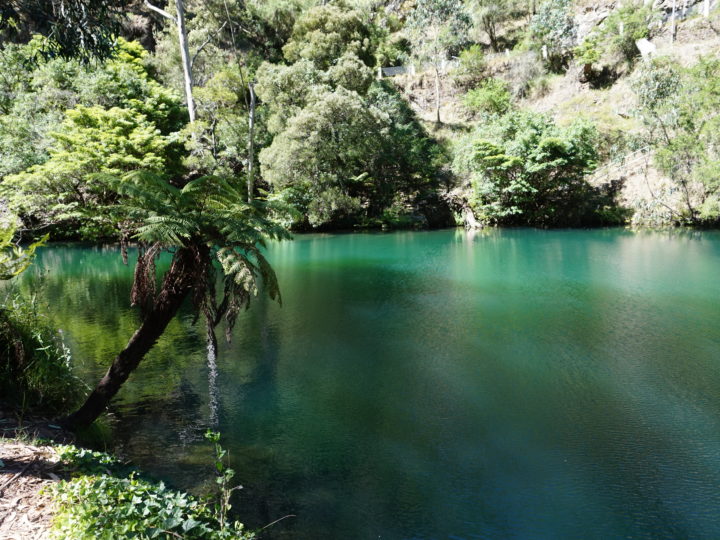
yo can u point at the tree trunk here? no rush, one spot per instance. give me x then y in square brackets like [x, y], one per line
[251, 149]
[184, 52]
[672, 22]
[185, 55]
[177, 284]
[490, 30]
[437, 95]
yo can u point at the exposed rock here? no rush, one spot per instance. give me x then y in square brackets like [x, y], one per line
[590, 17]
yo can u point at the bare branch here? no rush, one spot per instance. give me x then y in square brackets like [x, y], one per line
[161, 11]
[208, 40]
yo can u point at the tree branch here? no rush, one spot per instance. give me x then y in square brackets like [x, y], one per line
[161, 11]
[208, 40]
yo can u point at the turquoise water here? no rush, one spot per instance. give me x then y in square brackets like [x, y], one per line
[509, 384]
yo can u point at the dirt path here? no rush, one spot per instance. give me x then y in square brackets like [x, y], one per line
[26, 468]
[26, 508]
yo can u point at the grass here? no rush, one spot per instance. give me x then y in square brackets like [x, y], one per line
[35, 372]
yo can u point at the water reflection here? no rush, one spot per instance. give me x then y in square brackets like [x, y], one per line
[512, 383]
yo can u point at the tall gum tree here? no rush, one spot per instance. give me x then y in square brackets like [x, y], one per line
[179, 21]
[434, 28]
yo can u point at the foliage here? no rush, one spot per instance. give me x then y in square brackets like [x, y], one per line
[67, 189]
[125, 82]
[35, 370]
[344, 147]
[103, 501]
[471, 68]
[35, 94]
[492, 97]
[490, 15]
[528, 171]
[345, 155]
[209, 213]
[34, 363]
[224, 478]
[86, 461]
[350, 73]
[327, 32]
[656, 85]
[393, 49]
[287, 89]
[220, 35]
[524, 71]
[218, 139]
[679, 109]
[14, 259]
[553, 28]
[326, 150]
[435, 27]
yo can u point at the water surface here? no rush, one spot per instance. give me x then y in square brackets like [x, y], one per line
[509, 384]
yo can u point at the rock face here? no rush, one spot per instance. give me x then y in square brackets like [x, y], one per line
[646, 48]
[436, 211]
[590, 17]
[469, 220]
[682, 6]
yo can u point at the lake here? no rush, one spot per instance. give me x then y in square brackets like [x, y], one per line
[505, 384]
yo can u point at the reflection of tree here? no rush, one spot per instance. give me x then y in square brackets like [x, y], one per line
[86, 293]
[213, 393]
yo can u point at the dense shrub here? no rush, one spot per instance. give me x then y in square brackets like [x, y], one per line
[346, 150]
[528, 171]
[471, 68]
[492, 97]
[34, 363]
[35, 370]
[35, 93]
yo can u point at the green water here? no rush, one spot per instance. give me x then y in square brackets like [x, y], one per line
[514, 384]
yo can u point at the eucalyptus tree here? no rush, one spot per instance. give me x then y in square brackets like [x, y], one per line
[434, 28]
[179, 21]
[553, 28]
[679, 110]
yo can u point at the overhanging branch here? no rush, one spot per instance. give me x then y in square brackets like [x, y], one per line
[208, 40]
[161, 11]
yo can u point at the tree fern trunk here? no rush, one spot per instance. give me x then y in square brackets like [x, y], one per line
[177, 284]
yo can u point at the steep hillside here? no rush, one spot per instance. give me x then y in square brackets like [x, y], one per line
[605, 98]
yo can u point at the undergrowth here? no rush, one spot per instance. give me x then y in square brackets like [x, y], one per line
[105, 499]
[35, 371]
